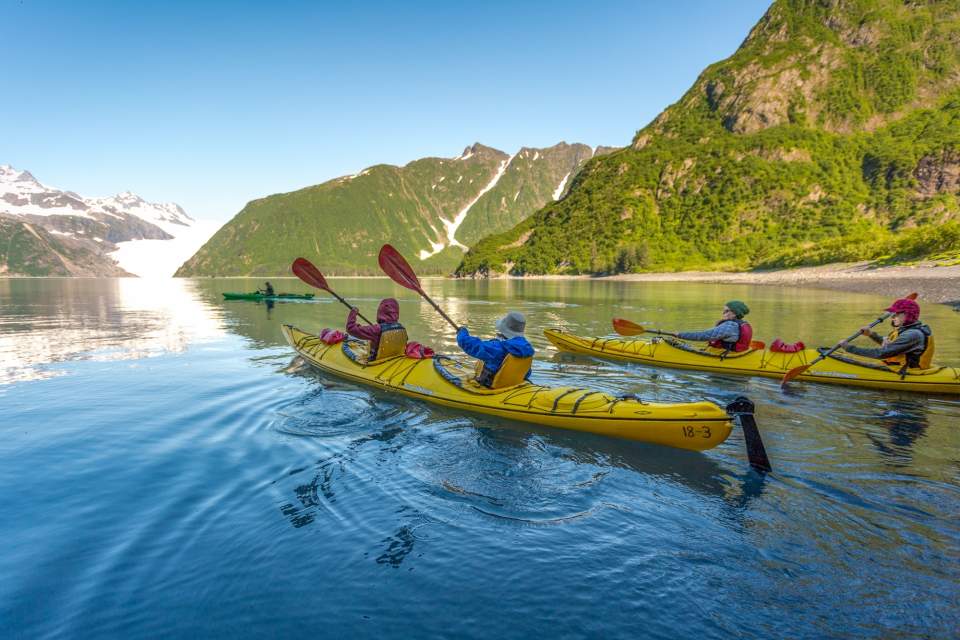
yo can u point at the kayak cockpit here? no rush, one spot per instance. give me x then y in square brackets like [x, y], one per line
[460, 371]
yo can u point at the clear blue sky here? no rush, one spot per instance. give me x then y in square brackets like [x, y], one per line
[212, 104]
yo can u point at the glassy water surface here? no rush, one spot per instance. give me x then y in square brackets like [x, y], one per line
[168, 469]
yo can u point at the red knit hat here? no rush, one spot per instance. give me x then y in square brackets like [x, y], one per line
[908, 307]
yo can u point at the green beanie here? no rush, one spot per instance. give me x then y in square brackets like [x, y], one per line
[738, 308]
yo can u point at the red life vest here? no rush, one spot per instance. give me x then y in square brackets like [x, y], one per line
[743, 341]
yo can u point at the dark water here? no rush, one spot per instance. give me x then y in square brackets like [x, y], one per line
[166, 472]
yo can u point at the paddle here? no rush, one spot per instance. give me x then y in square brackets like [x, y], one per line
[627, 328]
[400, 271]
[304, 269]
[796, 371]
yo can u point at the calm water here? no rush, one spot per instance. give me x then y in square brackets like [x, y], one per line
[167, 470]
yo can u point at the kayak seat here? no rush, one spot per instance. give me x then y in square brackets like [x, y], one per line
[711, 352]
[358, 351]
[393, 341]
[512, 372]
[461, 372]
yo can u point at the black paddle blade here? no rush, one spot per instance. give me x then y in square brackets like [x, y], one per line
[304, 269]
[399, 270]
[742, 409]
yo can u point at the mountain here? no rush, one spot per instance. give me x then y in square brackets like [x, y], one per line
[430, 209]
[831, 134]
[45, 231]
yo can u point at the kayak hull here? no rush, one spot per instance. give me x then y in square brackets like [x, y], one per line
[666, 353]
[260, 296]
[693, 425]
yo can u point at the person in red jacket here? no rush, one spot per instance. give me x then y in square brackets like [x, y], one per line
[731, 332]
[387, 338]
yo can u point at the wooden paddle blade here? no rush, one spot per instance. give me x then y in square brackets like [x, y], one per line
[758, 345]
[399, 270]
[626, 328]
[304, 269]
[793, 373]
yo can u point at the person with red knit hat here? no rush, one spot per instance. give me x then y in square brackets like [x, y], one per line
[909, 345]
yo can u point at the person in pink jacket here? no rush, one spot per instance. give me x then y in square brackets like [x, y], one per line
[388, 337]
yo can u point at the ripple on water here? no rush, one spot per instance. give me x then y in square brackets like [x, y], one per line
[503, 473]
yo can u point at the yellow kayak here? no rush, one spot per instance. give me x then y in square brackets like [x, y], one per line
[840, 368]
[448, 381]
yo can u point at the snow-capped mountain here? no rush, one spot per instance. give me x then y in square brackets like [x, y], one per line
[21, 193]
[117, 235]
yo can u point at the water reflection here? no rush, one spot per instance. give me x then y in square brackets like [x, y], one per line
[905, 421]
[48, 321]
[597, 456]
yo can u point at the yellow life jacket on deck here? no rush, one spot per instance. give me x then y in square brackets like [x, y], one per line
[512, 372]
[392, 342]
[913, 359]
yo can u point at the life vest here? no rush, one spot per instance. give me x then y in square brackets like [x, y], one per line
[392, 342]
[918, 358]
[513, 370]
[743, 341]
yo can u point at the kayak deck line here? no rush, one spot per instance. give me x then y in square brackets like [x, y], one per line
[839, 369]
[690, 425]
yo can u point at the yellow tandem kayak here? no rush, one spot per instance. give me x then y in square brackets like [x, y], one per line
[839, 368]
[448, 381]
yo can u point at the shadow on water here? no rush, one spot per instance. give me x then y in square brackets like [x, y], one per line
[693, 470]
[905, 420]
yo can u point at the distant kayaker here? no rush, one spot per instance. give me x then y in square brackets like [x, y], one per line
[387, 338]
[507, 358]
[909, 345]
[731, 332]
[267, 290]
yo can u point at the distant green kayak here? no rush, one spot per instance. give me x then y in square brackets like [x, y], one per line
[261, 296]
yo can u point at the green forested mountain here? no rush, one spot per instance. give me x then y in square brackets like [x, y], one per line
[431, 209]
[833, 133]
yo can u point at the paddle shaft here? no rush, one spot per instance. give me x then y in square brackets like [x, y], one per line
[348, 305]
[627, 328]
[825, 355]
[304, 269]
[396, 266]
[439, 310]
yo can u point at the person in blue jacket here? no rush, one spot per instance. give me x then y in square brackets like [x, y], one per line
[507, 358]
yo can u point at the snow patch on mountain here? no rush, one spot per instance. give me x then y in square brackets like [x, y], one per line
[559, 190]
[452, 225]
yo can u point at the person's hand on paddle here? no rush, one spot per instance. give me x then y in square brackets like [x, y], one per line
[843, 343]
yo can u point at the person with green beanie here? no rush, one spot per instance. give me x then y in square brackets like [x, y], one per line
[731, 333]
